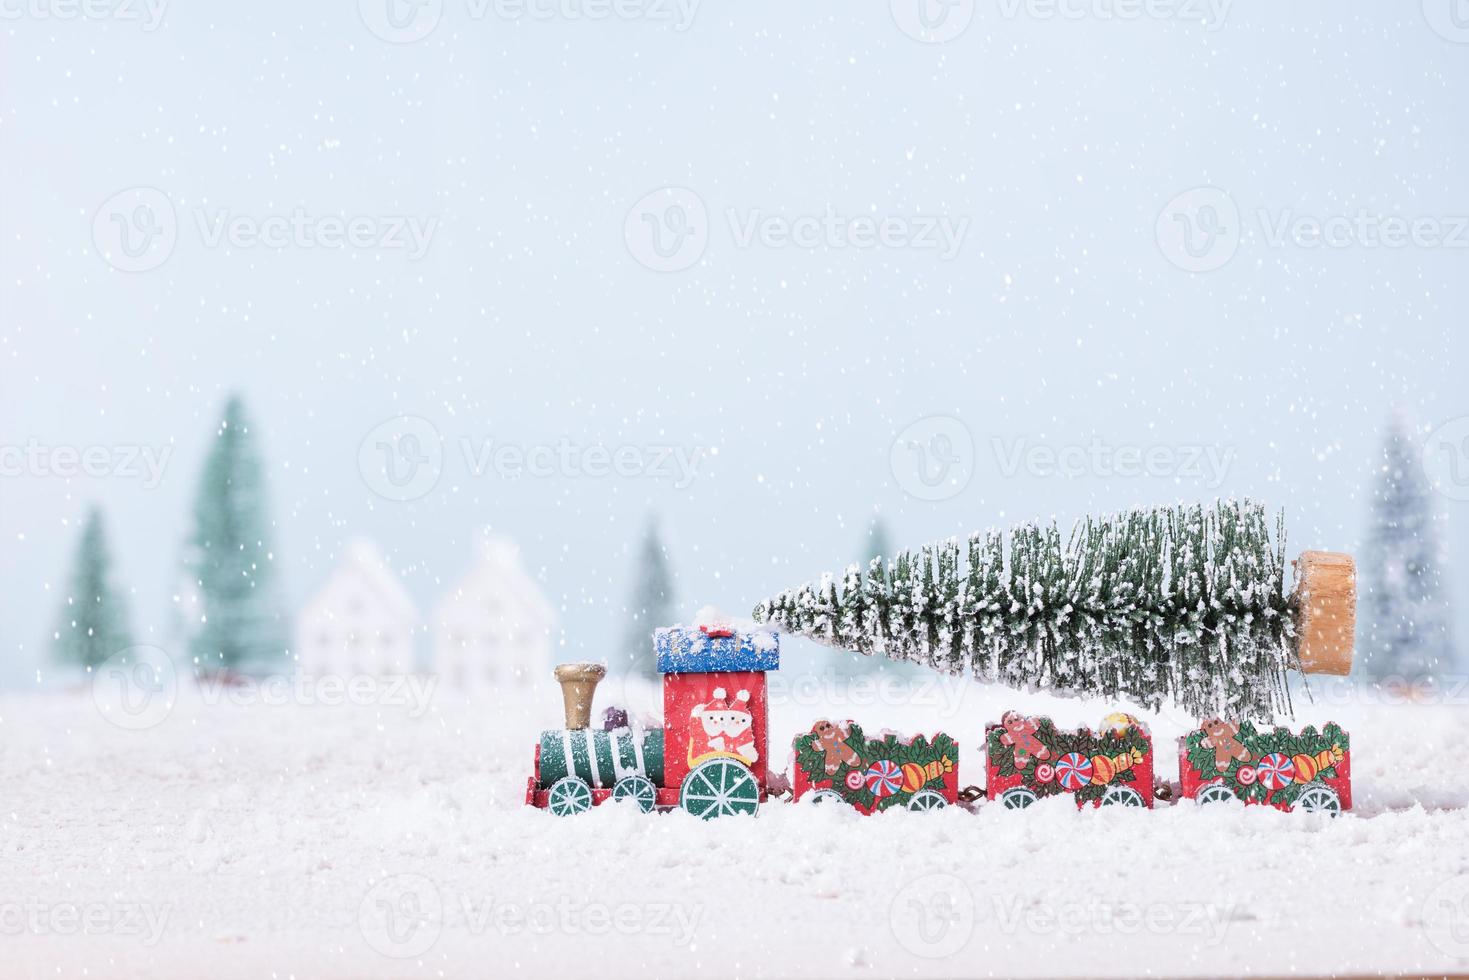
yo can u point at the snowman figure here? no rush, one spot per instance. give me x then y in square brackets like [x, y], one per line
[723, 726]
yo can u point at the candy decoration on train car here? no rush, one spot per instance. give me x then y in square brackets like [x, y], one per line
[884, 778]
[1275, 771]
[1073, 770]
[1309, 770]
[880, 773]
[1187, 604]
[1113, 765]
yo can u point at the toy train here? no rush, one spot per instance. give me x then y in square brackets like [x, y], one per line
[710, 756]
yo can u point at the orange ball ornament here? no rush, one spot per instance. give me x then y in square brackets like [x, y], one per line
[1305, 768]
[913, 777]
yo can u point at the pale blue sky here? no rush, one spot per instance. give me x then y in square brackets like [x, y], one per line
[1055, 143]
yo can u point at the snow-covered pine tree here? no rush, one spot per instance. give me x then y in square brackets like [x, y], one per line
[1182, 603]
[1405, 632]
[93, 624]
[229, 558]
[650, 605]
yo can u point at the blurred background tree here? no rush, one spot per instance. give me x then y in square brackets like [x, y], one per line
[650, 605]
[1404, 623]
[238, 624]
[94, 622]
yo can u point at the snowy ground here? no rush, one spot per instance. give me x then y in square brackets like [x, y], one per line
[305, 840]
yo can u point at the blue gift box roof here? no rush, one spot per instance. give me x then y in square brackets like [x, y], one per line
[689, 650]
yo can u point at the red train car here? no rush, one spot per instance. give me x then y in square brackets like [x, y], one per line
[1222, 761]
[837, 762]
[1030, 759]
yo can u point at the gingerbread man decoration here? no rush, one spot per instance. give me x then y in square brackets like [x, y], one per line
[1222, 737]
[1020, 734]
[832, 740]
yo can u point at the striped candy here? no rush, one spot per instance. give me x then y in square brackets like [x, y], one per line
[884, 778]
[1073, 771]
[1275, 771]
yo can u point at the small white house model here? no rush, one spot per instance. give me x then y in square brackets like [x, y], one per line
[361, 622]
[494, 628]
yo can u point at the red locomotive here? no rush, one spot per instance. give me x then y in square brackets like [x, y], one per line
[710, 757]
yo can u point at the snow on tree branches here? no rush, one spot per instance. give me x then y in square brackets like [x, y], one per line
[1185, 603]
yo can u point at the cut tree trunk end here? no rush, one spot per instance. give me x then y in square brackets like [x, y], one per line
[1326, 595]
[578, 684]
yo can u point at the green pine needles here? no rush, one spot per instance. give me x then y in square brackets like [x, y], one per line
[1186, 603]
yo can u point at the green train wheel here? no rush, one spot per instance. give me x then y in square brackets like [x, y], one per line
[719, 788]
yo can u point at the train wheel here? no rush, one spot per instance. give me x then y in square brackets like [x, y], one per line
[719, 788]
[569, 796]
[824, 797]
[1122, 796]
[639, 789]
[1215, 793]
[1319, 799]
[1018, 798]
[927, 799]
